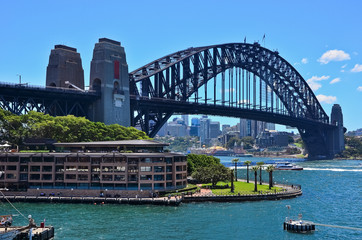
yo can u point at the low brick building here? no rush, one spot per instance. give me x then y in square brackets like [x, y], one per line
[124, 168]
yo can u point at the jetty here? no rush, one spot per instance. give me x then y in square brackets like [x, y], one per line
[38, 233]
[96, 200]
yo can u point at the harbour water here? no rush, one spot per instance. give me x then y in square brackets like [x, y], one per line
[332, 194]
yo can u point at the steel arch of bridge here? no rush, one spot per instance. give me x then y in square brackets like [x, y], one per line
[264, 86]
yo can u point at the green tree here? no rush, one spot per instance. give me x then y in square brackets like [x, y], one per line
[255, 169]
[247, 163]
[231, 143]
[260, 165]
[213, 174]
[195, 161]
[235, 161]
[248, 142]
[270, 170]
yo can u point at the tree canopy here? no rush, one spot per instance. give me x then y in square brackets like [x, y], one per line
[15, 129]
[206, 169]
[247, 141]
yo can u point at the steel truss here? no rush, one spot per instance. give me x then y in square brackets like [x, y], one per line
[19, 99]
[252, 78]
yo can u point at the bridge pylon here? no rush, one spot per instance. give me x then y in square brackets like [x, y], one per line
[109, 75]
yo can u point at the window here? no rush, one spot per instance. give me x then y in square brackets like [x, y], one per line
[107, 168]
[146, 177]
[71, 176]
[83, 169]
[156, 160]
[107, 177]
[70, 168]
[159, 169]
[169, 177]
[119, 178]
[158, 178]
[11, 168]
[119, 169]
[178, 168]
[83, 177]
[146, 169]
[168, 160]
[10, 176]
[35, 169]
[169, 169]
[59, 177]
[47, 177]
[24, 168]
[47, 168]
[34, 176]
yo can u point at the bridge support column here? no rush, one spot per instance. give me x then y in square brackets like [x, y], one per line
[325, 142]
[109, 75]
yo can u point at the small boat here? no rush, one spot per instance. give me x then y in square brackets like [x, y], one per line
[287, 166]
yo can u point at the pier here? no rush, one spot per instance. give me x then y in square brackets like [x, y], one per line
[95, 200]
[22, 233]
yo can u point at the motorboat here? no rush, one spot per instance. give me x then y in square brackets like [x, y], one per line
[287, 166]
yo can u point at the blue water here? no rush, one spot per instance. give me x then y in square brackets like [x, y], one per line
[332, 194]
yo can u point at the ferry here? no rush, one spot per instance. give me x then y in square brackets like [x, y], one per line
[287, 166]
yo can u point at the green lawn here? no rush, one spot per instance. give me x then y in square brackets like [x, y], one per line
[242, 188]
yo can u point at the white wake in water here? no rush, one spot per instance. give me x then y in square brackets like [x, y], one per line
[333, 169]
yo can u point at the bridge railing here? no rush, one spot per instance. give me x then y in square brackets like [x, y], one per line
[46, 88]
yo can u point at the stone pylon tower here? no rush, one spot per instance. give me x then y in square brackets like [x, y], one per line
[65, 68]
[109, 75]
[338, 134]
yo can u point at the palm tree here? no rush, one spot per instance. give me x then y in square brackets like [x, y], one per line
[247, 163]
[260, 165]
[270, 170]
[235, 161]
[255, 169]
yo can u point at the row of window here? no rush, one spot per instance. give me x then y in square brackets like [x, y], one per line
[94, 177]
[61, 160]
[95, 169]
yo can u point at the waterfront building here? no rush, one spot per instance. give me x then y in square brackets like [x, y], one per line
[85, 168]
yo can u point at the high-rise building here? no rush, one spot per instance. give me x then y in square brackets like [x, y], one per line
[270, 126]
[225, 128]
[214, 129]
[204, 130]
[176, 128]
[195, 127]
[186, 119]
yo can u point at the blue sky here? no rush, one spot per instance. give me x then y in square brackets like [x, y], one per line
[322, 39]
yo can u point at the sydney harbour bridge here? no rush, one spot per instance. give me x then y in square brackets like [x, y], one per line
[238, 80]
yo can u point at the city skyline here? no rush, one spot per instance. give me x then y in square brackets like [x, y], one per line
[324, 49]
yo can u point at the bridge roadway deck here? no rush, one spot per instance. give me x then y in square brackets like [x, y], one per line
[178, 107]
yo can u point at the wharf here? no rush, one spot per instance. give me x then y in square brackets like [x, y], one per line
[38, 233]
[94, 200]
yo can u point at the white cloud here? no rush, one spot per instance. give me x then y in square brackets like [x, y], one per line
[314, 84]
[359, 88]
[335, 81]
[326, 99]
[304, 60]
[345, 65]
[333, 55]
[357, 68]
